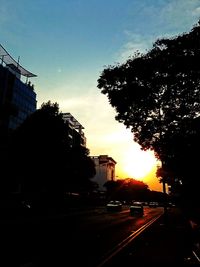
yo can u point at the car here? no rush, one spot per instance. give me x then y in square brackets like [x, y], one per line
[153, 204]
[136, 209]
[114, 205]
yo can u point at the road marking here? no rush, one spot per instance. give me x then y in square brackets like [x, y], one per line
[198, 259]
[126, 241]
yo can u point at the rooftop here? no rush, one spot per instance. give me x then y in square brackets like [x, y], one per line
[67, 116]
[13, 64]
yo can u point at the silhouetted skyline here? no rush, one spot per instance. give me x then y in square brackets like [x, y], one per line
[68, 43]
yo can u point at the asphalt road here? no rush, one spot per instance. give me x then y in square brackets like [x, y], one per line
[80, 237]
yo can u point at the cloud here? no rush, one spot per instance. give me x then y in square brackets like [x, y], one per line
[93, 111]
[104, 134]
[180, 15]
[196, 12]
[137, 42]
[167, 20]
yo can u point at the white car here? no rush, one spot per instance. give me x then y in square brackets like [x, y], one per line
[114, 205]
[153, 204]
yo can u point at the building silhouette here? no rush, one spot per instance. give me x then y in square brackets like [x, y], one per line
[17, 97]
[105, 170]
[75, 131]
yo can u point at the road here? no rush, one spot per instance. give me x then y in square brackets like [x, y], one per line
[105, 231]
[78, 237]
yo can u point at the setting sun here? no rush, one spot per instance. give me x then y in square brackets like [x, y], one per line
[138, 164]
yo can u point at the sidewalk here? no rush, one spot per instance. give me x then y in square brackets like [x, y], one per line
[166, 242]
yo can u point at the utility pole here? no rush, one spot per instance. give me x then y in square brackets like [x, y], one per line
[164, 179]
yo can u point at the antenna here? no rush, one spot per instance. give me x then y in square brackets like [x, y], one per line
[18, 61]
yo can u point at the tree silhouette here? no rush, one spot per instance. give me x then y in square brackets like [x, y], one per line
[43, 159]
[127, 189]
[157, 95]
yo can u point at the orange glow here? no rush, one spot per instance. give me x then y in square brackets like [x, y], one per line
[152, 181]
[138, 164]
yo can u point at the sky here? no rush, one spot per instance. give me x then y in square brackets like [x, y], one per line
[68, 43]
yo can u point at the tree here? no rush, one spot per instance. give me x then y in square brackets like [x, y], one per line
[82, 168]
[127, 189]
[157, 95]
[43, 158]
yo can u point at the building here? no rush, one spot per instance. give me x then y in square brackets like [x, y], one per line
[17, 98]
[17, 101]
[75, 130]
[105, 170]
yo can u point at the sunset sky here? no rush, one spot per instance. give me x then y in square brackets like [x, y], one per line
[68, 43]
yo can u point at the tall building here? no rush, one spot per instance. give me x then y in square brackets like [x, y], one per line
[105, 170]
[75, 130]
[17, 98]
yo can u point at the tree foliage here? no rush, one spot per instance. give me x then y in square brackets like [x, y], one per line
[130, 190]
[157, 95]
[126, 189]
[43, 159]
